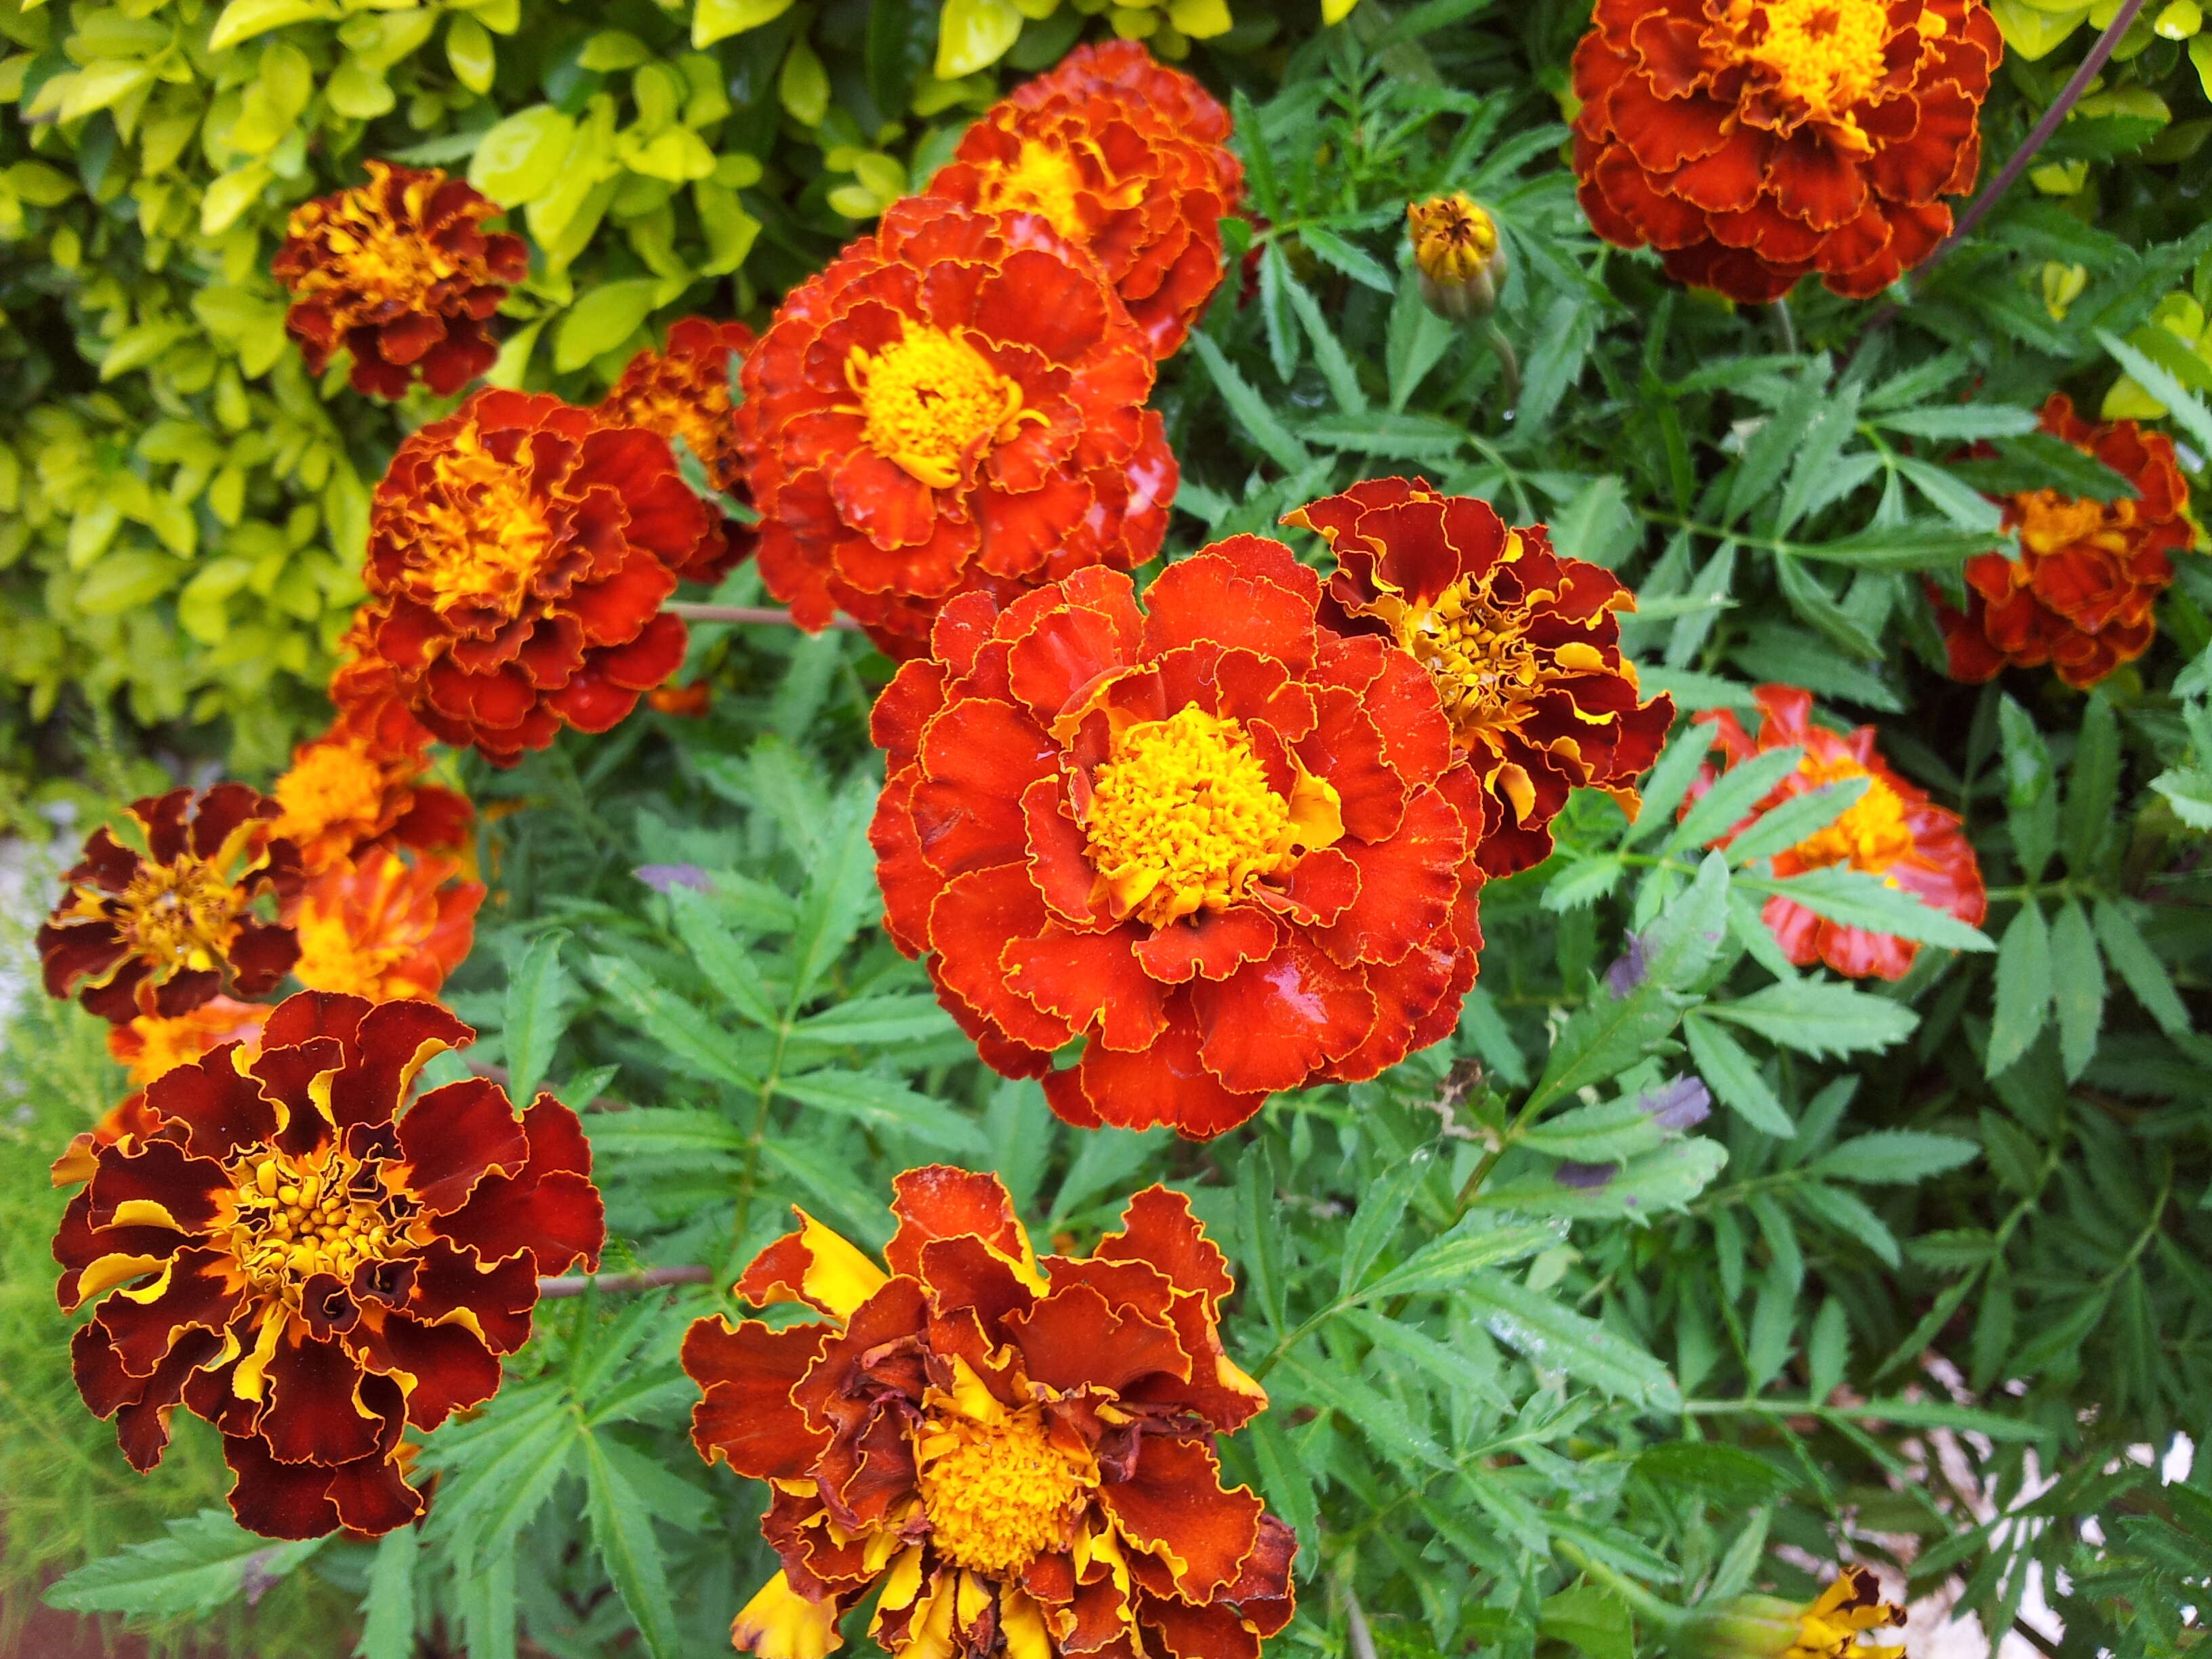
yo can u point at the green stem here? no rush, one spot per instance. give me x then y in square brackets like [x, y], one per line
[1509, 367]
[1651, 1606]
[754, 1142]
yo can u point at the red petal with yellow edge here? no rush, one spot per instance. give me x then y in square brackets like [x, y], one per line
[1184, 1632]
[976, 758]
[452, 1367]
[310, 1414]
[1173, 1503]
[1273, 1023]
[1247, 591]
[220, 1111]
[745, 1416]
[1157, 1228]
[1094, 981]
[939, 1201]
[453, 1136]
[200, 1295]
[970, 926]
[1167, 1083]
[277, 1499]
[1406, 885]
[1213, 943]
[1072, 1337]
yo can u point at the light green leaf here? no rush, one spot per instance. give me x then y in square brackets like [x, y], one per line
[2024, 988]
[242, 20]
[2130, 955]
[2078, 978]
[1608, 1132]
[602, 319]
[1637, 1191]
[387, 1630]
[974, 34]
[1733, 797]
[1734, 1076]
[1791, 821]
[688, 1036]
[1474, 1245]
[521, 158]
[883, 1103]
[1860, 900]
[1259, 421]
[538, 993]
[717, 19]
[2182, 406]
[1895, 1156]
[196, 1567]
[1556, 1338]
[897, 1017]
[621, 1531]
[803, 85]
[1817, 1017]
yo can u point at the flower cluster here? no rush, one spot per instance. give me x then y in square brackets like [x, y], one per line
[200, 905]
[1892, 831]
[1752, 142]
[400, 272]
[2080, 597]
[683, 391]
[345, 794]
[1523, 645]
[1020, 1452]
[311, 1272]
[1223, 842]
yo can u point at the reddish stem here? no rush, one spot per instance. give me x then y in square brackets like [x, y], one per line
[746, 613]
[646, 1278]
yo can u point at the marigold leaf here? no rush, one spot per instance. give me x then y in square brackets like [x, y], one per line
[200, 1565]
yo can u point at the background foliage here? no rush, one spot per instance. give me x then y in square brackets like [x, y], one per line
[1943, 1243]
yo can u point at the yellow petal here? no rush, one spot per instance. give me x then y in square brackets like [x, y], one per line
[1580, 657]
[902, 1583]
[247, 1381]
[1022, 1625]
[144, 1213]
[779, 1623]
[109, 1271]
[1335, 11]
[838, 1276]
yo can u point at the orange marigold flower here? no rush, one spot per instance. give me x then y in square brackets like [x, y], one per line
[1110, 167]
[380, 927]
[1752, 142]
[1129, 66]
[1020, 1451]
[400, 272]
[310, 1271]
[2082, 594]
[345, 794]
[518, 554]
[1892, 831]
[160, 926]
[956, 404]
[1524, 648]
[688, 701]
[149, 1046]
[683, 391]
[1224, 843]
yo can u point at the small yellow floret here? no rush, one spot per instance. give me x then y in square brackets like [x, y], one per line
[299, 1216]
[1825, 54]
[929, 399]
[998, 1494]
[1871, 835]
[181, 914]
[480, 532]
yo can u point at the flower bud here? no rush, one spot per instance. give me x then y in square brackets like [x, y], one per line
[1769, 1627]
[1458, 252]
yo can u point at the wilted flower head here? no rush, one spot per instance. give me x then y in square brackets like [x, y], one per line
[1769, 1627]
[345, 794]
[683, 391]
[518, 554]
[1020, 1452]
[1461, 262]
[1752, 142]
[1523, 645]
[195, 908]
[380, 927]
[2082, 595]
[311, 1272]
[1892, 831]
[400, 272]
[955, 406]
[1108, 165]
[1215, 838]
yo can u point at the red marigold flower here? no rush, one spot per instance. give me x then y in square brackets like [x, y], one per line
[1752, 142]
[149, 1046]
[1524, 648]
[400, 272]
[518, 554]
[311, 1272]
[1892, 831]
[955, 406]
[161, 926]
[1222, 843]
[2082, 594]
[1129, 66]
[344, 794]
[683, 391]
[380, 927]
[1108, 164]
[1036, 1438]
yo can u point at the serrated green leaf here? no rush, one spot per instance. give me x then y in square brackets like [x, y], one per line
[883, 1103]
[1894, 1156]
[688, 1036]
[1861, 900]
[1819, 1017]
[1557, 1338]
[199, 1564]
[1733, 797]
[1789, 822]
[387, 1630]
[1259, 421]
[1734, 1076]
[2023, 989]
[2077, 978]
[2132, 958]
[538, 993]
[621, 1531]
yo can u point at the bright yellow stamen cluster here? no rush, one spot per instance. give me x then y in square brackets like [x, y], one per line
[1479, 654]
[1830, 1628]
[2051, 521]
[181, 914]
[331, 782]
[1043, 181]
[480, 532]
[1183, 818]
[931, 397]
[392, 263]
[323, 1212]
[1871, 835]
[1825, 54]
[998, 1495]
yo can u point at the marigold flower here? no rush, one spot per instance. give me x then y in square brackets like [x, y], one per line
[311, 1272]
[2080, 596]
[518, 554]
[1456, 253]
[683, 391]
[1524, 648]
[688, 701]
[400, 272]
[161, 928]
[380, 927]
[1127, 66]
[1892, 831]
[149, 1046]
[1220, 841]
[1113, 170]
[1752, 142]
[1036, 1438]
[130, 1116]
[344, 795]
[1769, 1627]
[955, 406]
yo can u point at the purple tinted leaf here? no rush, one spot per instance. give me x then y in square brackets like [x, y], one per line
[1679, 1105]
[667, 877]
[1585, 1178]
[1628, 972]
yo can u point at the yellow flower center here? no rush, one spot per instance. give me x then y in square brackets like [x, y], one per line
[1183, 818]
[1479, 654]
[2051, 521]
[178, 914]
[1825, 54]
[1453, 238]
[1043, 180]
[391, 266]
[318, 1212]
[930, 399]
[1871, 835]
[998, 1495]
[331, 783]
[481, 532]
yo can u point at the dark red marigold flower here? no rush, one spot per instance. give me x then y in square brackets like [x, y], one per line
[1223, 843]
[518, 553]
[1020, 1452]
[311, 1272]
[1108, 164]
[400, 272]
[2082, 595]
[1524, 648]
[346, 793]
[1752, 142]
[1893, 831]
[683, 391]
[955, 406]
[160, 926]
